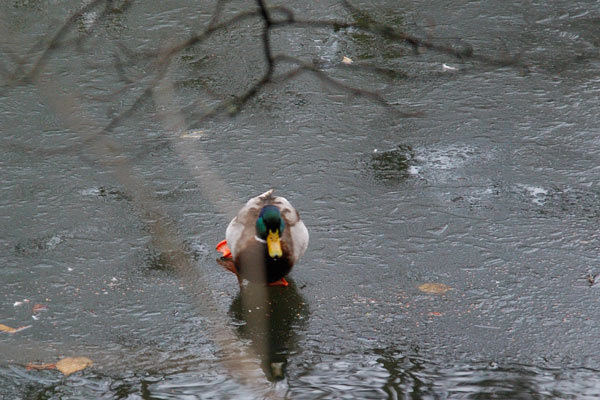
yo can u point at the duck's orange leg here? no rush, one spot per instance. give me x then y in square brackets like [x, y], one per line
[281, 282]
[224, 249]
[226, 261]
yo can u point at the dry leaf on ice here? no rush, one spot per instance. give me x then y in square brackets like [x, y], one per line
[73, 364]
[8, 329]
[193, 133]
[31, 366]
[434, 288]
[39, 307]
[347, 60]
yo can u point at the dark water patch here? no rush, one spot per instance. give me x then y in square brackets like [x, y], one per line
[551, 201]
[391, 166]
[106, 193]
[478, 198]
[35, 246]
[367, 46]
[575, 202]
[432, 165]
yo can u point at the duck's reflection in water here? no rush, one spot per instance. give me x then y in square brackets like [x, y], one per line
[285, 316]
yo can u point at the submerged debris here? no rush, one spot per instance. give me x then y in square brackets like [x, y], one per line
[591, 278]
[392, 165]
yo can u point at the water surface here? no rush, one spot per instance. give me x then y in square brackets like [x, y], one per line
[492, 189]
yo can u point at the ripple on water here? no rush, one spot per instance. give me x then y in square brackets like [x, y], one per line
[342, 376]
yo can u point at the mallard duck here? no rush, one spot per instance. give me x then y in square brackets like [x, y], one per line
[264, 241]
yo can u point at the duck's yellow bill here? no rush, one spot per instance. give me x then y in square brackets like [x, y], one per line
[274, 244]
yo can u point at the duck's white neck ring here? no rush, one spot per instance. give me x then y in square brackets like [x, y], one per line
[259, 239]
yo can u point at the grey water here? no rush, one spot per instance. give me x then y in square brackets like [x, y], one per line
[489, 186]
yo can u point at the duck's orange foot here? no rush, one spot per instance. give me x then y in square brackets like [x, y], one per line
[224, 249]
[281, 282]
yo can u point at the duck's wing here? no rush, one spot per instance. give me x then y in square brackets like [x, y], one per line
[297, 234]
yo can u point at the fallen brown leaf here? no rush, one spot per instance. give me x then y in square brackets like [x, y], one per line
[434, 288]
[31, 366]
[70, 365]
[5, 328]
[39, 307]
[194, 133]
[8, 329]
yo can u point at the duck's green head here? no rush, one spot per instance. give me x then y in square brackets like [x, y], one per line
[269, 227]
